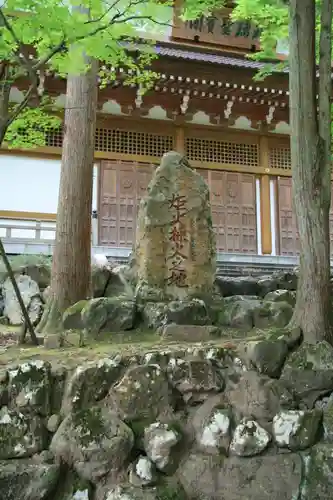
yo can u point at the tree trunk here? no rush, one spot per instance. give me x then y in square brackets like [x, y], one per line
[311, 165]
[71, 277]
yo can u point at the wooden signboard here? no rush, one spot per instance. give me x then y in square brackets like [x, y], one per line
[218, 29]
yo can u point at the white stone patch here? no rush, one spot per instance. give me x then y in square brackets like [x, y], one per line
[81, 495]
[249, 439]
[107, 363]
[5, 417]
[159, 439]
[19, 449]
[285, 426]
[143, 469]
[118, 494]
[219, 426]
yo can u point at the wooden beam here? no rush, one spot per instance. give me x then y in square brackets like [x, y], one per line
[11, 214]
[265, 199]
[180, 140]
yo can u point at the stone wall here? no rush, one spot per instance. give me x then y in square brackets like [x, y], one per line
[190, 423]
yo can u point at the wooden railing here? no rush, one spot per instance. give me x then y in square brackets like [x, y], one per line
[32, 230]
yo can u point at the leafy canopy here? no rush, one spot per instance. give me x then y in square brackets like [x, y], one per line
[52, 35]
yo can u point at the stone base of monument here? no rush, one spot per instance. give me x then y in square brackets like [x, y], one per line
[193, 333]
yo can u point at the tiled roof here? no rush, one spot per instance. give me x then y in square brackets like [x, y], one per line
[207, 57]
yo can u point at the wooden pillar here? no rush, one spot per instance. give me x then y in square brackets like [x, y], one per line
[180, 140]
[265, 200]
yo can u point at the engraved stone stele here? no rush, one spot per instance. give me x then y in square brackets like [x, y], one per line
[174, 252]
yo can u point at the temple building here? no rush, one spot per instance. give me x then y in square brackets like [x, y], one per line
[206, 104]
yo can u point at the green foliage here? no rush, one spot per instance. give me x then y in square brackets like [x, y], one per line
[30, 127]
[37, 37]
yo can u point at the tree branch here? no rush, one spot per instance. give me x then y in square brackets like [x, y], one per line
[21, 106]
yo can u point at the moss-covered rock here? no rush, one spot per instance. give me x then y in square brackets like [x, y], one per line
[195, 379]
[20, 435]
[266, 356]
[276, 314]
[72, 487]
[153, 315]
[93, 441]
[238, 312]
[108, 315]
[71, 318]
[27, 480]
[90, 383]
[287, 296]
[143, 394]
[297, 430]
[308, 372]
[319, 473]
[30, 386]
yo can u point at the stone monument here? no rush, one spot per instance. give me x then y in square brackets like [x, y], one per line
[174, 253]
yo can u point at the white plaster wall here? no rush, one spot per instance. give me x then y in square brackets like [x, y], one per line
[31, 185]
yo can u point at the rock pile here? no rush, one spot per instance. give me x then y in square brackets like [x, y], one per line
[203, 422]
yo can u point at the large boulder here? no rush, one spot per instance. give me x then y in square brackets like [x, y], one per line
[120, 282]
[238, 312]
[94, 442]
[241, 285]
[175, 253]
[273, 314]
[211, 424]
[20, 435]
[195, 379]
[258, 397]
[30, 293]
[106, 315]
[27, 480]
[142, 395]
[279, 280]
[217, 478]
[308, 373]
[90, 383]
[297, 430]
[30, 387]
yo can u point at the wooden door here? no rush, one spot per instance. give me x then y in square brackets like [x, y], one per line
[288, 233]
[122, 186]
[233, 202]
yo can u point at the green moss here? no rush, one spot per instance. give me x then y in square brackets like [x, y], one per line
[170, 491]
[89, 423]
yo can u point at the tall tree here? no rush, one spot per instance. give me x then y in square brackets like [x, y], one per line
[310, 120]
[70, 281]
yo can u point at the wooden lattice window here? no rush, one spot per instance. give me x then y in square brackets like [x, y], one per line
[223, 152]
[132, 142]
[279, 157]
[122, 141]
[54, 138]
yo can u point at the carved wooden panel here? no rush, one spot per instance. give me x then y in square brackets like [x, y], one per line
[233, 202]
[288, 234]
[122, 186]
